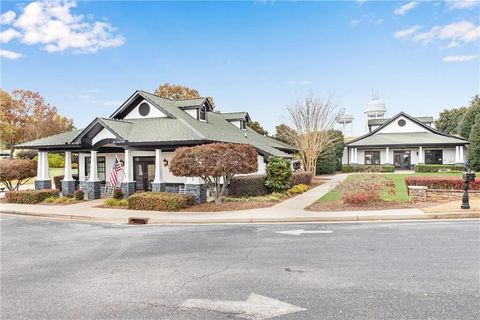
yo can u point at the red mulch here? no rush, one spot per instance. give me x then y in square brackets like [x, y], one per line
[383, 205]
[229, 206]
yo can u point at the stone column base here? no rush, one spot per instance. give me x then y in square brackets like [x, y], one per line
[199, 191]
[158, 187]
[128, 188]
[68, 187]
[43, 184]
[93, 190]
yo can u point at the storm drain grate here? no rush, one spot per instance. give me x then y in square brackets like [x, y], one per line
[136, 220]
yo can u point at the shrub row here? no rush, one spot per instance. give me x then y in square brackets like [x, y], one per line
[446, 183]
[255, 185]
[159, 201]
[437, 167]
[367, 168]
[31, 196]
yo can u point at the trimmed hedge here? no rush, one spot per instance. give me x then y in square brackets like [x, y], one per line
[368, 168]
[301, 177]
[159, 201]
[445, 183]
[31, 196]
[57, 181]
[248, 186]
[437, 167]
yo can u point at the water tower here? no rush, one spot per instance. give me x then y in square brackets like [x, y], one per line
[375, 109]
[344, 119]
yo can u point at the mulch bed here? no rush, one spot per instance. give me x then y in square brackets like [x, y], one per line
[229, 206]
[384, 205]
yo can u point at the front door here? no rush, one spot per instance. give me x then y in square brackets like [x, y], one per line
[401, 159]
[144, 172]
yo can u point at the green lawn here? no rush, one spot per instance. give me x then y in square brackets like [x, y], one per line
[398, 179]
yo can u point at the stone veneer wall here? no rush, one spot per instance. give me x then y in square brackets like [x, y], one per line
[423, 194]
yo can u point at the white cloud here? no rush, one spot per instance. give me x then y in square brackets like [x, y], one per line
[9, 34]
[355, 22]
[361, 1]
[378, 22]
[53, 25]
[7, 17]
[460, 58]
[462, 4]
[112, 103]
[456, 33]
[306, 82]
[10, 54]
[405, 8]
[406, 32]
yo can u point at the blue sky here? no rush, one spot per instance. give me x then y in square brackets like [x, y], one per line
[87, 57]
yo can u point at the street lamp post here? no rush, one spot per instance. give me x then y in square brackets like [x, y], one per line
[468, 177]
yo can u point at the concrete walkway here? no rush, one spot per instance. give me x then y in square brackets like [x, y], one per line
[291, 210]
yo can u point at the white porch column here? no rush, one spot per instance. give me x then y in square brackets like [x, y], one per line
[46, 168]
[387, 155]
[352, 156]
[420, 155]
[43, 180]
[81, 167]
[40, 166]
[457, 154]
[128, 185]
[67, 176]
[93, 167]
[356, 155]
[158, 166]
[128, 166]
[462, 159]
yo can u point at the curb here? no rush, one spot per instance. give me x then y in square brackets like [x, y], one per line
[349, 218]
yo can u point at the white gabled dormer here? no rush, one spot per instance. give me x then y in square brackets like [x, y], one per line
[198, 112]
[402, 124]
[144, 110]
[242, 124]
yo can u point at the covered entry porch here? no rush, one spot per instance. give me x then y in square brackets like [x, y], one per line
[141, 170]
[405, 157]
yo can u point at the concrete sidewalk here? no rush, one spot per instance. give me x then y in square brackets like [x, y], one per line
[291, 210]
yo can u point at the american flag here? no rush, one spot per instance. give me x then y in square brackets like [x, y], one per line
[117, 166]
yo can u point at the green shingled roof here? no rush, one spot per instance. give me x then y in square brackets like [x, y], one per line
[58, 139]
[400, 139]
[178, 127]
[379, 122]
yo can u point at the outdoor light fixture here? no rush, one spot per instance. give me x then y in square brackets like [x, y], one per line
[468, 176]
[165, 162]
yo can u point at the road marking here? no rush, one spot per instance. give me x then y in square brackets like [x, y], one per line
[256, 307]
[303, 231]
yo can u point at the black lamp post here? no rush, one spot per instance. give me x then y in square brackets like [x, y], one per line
[468, 177]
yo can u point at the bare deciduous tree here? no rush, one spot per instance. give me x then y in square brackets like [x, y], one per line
[312, 121]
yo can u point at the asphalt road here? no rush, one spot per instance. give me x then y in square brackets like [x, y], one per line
[408, 270]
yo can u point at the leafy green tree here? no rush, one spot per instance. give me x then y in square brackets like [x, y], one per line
[326, 163]
[257, 127]
[474, 150]
[469, 118]
[449, 120]
[279, 173]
